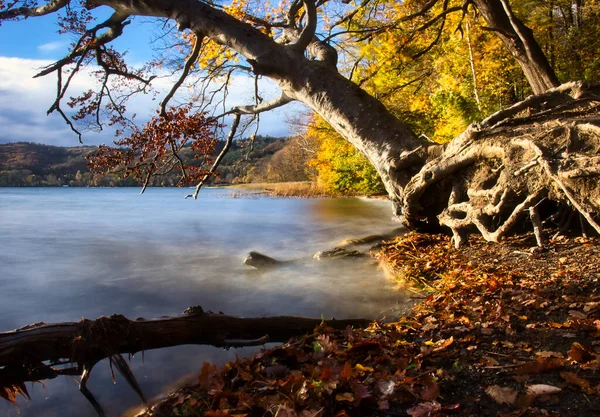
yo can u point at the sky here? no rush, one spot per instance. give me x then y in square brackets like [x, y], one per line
[29, 45]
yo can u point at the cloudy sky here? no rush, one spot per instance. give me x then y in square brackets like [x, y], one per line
[27, 46]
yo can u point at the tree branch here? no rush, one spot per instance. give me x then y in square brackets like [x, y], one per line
[92, 340]
[234, 126]
[186, 70]
[282, 100]
[307, 34]
[47, 8]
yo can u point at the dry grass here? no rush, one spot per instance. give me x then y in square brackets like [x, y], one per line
[305, 189]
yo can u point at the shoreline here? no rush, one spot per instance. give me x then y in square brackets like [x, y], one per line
[504, 329]
[301, 189]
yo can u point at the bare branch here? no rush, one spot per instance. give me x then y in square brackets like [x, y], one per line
[234, 126]
[186, 70]
[351, 15]
[115, 24]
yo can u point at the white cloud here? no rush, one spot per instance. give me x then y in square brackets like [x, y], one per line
[24, 101]
[52, 46]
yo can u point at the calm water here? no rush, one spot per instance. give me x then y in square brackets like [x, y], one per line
[68, 253]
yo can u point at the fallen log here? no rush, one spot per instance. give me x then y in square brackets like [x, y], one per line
[44, 351]
[89, 341]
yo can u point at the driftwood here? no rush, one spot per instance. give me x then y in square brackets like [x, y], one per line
[41, 345]
[45, 351]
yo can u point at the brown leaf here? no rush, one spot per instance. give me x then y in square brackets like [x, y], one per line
[383, 404]
[539, 365]
[487, 361]
[502, 395]
[431, 389]
[424, 409]
[577, 314]
[549, 354]
[347, 371]
[210, 379]
[584, 384]
[580, 354]
[361, 391]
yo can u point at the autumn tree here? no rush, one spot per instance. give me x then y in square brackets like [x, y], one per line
[537, 157]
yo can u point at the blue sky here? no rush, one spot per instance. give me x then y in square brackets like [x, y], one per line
[29, 45]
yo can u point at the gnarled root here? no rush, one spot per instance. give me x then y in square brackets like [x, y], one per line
[539, 158]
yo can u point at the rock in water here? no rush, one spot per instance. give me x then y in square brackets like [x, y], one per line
[337, 253]
[259, 261]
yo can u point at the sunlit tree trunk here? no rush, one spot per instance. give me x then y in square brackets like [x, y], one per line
[521, 43]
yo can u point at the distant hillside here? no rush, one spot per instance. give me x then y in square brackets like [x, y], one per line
[24, 164]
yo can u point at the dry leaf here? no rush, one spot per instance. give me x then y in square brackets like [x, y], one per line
[347, 371]
[502, 395]
[362, 368]
[487, 361]
[424, 409]
[580, 354]
[346, 396]
[431, 389]
[540, 365]
[543, 389]
[584, 384]
[549, 354]
[443, 344]
[578, 315]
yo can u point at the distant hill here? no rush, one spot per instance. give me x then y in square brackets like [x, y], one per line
[24, 164]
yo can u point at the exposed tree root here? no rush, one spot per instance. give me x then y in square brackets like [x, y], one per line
[540, 158]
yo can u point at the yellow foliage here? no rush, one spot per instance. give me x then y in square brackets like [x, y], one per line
[341, 169]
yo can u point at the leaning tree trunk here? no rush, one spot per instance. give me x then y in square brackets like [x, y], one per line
[539, 157]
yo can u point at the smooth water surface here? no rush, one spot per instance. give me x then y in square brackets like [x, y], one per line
[68, 253]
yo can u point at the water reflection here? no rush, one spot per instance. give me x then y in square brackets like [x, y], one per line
[69, 253]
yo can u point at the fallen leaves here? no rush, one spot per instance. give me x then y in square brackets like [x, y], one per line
[424, 409]
[487, 339]
[573, 379]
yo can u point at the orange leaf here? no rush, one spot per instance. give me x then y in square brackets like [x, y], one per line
[443, 344]
[580, 354]
[584, 384]
[540, 365]
[347, 371]
[209, 378]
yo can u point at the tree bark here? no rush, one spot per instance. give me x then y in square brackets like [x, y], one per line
[521, 43]
[483, 180]
[89, 341]
[388, 143]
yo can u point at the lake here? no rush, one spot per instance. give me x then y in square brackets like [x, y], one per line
[68, 253]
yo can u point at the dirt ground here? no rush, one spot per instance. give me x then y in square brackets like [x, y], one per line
[503, 330]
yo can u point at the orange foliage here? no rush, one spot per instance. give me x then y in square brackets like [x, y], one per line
[154, 150]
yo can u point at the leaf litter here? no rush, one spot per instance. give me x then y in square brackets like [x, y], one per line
[495, 335]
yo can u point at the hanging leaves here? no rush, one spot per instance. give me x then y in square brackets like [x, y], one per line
[183, 140]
